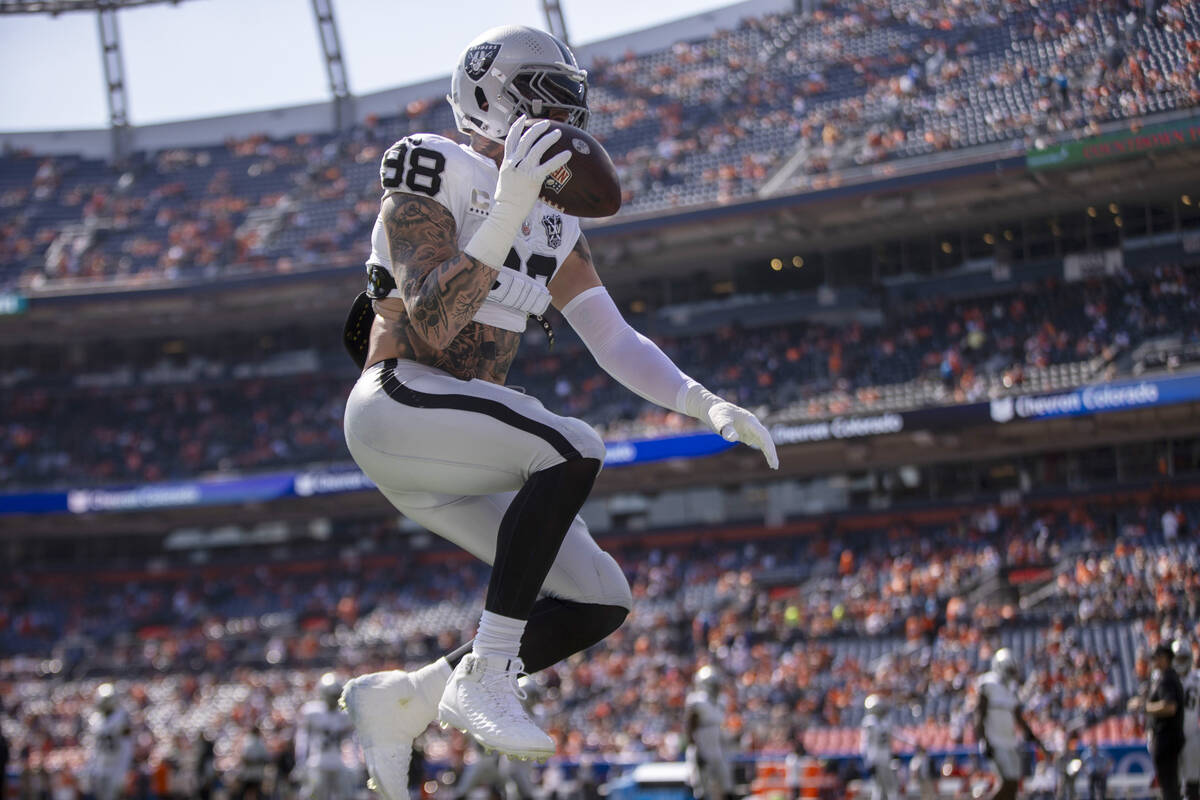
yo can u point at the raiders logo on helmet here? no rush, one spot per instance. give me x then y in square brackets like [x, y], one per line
[553, 225]
[479, 58]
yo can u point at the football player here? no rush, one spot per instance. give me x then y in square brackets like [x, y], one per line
[513, 779]
[875, 747]
[253, 771]
[463, 252]
[709, 771]
[111, 748]
[997, 718]
[319, 738]
[1189, 759]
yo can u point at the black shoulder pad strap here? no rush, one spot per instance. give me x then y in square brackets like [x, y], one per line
[357, 333]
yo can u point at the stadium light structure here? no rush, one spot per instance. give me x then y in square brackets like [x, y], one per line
[555, 23]
[114, 65]
[335, 65]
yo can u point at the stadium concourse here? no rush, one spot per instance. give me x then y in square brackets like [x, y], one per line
[175, 323]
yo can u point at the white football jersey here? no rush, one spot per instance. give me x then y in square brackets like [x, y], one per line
[463, 181]
[709, 719]
[876, 743]
[322, 736]
[112, 738]
[1191, 709]
[1000, 724]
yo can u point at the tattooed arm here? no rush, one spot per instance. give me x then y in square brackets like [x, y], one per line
[441, 286]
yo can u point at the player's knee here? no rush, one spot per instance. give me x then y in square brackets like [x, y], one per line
[586, 440]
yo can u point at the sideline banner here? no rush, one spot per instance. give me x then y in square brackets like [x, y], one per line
[1098, 399]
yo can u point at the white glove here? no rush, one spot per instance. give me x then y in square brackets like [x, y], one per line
[522, 174]
[518, 291]
[733, 423]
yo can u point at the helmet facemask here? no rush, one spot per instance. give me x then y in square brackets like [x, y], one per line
[549, 91]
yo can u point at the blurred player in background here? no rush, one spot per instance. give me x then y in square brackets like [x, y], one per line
[1189, 759]
[252, 773]
[320, 736]
[512, 778]
[1096, 766]
[710, 772]
[997, 717]
[110, 753]
[875, 747]
[921, 772]
[463, 252]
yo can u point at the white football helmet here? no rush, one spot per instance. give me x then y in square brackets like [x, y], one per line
[875, 704]
[330, 689]
[707, 680]
[106, 698]
[513, 70]
[1004, 664]
[1182, 656]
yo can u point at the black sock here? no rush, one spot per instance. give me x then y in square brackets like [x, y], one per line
[556, 629]
[532, 530]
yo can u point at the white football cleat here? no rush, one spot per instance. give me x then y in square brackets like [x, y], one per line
[389, 710]
[482, 699]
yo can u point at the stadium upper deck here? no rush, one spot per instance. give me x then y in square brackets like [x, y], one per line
[699, 123]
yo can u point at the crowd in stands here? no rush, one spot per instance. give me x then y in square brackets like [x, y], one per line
[97, 419]
[700, 122]
[802, 628]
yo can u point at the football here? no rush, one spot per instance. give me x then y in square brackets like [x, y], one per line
[587, 185]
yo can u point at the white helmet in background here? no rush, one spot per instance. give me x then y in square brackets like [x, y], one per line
[1004, 664]
[106, 698]
[513, 70]
[1181, 656]
[707, 680]
[330, 689]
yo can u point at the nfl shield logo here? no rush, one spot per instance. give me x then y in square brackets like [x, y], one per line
[558, 179]
[479, 58]
[525, 228]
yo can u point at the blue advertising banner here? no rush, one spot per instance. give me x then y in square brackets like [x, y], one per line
[1101, 398]
[642, 451]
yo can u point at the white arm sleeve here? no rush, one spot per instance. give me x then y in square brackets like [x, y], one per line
[624, 353]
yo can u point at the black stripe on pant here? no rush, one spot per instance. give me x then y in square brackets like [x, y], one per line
[478, 405]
